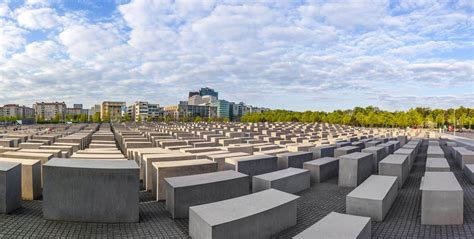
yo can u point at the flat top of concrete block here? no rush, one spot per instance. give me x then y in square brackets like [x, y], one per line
[91, 164]
[435, 150]
[134, 143]
[289, 154]
[465, 152]
[409, 146]
[237, 146]
[273, 151]
[393, 142]
[181, 163]
[440, 181]
[225, 211]
[27, 154]
[100, 149]
[356, 155]
[99, 152]
[437, 163]
[176, 156]
[470, 167]
[47, 151]
[200, 148]
[62, 143]
[326, 147]
[373, 148]
[98, 155]
[461, 150]
[103, 145]
[336, 225]
[228, 155]
[31, 143]
[281, 173]
[22, 161]
[394, 159]
[403, 151]
[250, 158]
[204, 178]
[321, 161]
[7, 166]
[375, 187]
[150, 150]
[347, 148]
[208, 153]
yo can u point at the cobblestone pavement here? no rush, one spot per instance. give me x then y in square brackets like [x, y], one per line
[402, 221]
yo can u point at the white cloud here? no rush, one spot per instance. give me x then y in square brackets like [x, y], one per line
[41, 18]
[283, 54]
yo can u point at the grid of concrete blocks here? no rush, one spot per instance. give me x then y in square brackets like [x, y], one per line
[232, 180]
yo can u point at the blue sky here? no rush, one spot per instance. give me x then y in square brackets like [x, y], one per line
[298, 55]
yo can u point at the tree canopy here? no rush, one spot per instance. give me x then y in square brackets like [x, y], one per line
[372, 117]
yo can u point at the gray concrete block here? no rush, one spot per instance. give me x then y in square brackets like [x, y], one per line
[437, 165]
[10, 186]
[104, 191]
[220, 158]
[322, 169]
[167, 169]
[434, 151]
[373, 198]
[378, 153]
[410, 153]
[354, 168]
[441, 199]
[322, 151]
[186, 191]
[469, 172]
[293, 159]
[395, 165]
[337, 225]
[290, 180]
[258, 215]
[252, 165]
[30, 177]
[338, 152]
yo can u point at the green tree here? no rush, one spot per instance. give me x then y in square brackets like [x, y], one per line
[56, 118]
[96, 118]
[126, 118]
[106, 117]
[197, 119]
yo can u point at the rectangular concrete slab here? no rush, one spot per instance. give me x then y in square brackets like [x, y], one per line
[290, 180]
[191, 190]
[373, 198]
[322, 169]
[441, 199]
[105, 191]
[258, 215]
[337, 225]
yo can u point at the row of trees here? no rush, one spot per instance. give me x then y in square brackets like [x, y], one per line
[373, 117]
[8, 119]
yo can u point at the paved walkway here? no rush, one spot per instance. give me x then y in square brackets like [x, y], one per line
[402, 221]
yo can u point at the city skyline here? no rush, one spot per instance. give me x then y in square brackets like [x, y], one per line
[285, 55]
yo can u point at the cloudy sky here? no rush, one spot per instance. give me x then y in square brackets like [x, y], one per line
[319, 55]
